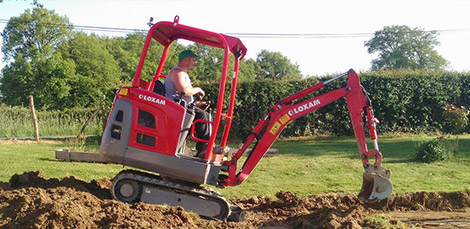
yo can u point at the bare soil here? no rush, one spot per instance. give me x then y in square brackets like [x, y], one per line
[31, 201]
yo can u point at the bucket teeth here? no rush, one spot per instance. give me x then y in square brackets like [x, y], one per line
[375, 183]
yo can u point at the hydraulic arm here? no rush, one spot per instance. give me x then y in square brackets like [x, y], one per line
[376, 184]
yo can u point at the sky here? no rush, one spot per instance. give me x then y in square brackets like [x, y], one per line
[318, 54]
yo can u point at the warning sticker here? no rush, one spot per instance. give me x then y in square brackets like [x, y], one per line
[284, 119]
[275, 128]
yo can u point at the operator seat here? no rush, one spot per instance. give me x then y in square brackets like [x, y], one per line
[159, 88]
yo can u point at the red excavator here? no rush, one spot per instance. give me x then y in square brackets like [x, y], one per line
[147, 131]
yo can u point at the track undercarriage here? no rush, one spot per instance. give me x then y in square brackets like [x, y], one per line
[132, 186]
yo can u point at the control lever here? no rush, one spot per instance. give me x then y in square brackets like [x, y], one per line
[200, 104]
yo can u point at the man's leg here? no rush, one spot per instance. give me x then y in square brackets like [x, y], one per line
[201, 130]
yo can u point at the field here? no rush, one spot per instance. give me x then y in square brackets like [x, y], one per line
[17, 122]
[311, 183]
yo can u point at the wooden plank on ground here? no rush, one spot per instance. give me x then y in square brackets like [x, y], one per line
[67, 155]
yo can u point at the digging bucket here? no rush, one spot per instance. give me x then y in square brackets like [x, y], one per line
[375, 183]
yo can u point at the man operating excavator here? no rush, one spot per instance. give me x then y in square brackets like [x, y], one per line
[178, 86]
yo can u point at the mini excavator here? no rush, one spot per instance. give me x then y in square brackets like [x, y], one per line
[147, 131]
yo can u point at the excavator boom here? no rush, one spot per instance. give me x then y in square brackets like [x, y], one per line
[376, 184]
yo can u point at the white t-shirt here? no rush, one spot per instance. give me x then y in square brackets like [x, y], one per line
[170, 88]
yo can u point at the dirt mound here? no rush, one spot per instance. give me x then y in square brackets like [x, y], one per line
[345, 211]
[98, 188]
[30, 201]
[330, 211]
[423, 200]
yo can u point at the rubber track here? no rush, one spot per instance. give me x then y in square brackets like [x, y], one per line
[157, 181]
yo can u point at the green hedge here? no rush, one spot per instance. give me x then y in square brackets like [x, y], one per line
[412, 101]
[404, 101]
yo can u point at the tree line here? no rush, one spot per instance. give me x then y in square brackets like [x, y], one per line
[63, 68]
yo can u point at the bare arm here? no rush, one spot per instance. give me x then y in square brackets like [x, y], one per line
[178, 79]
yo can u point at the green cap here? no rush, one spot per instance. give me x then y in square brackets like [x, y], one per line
[186, 53]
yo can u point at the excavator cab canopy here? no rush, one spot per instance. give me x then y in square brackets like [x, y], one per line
[165, 33]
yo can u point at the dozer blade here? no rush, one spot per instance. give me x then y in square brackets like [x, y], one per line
[375, 183]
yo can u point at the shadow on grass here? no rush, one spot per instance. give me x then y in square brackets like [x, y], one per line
[48, 159]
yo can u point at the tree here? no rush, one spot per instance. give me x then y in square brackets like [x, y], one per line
[96, 73]
[403, 47]
[209, 63]
[276, 66]
[32, 44]
[126, 54]
[249, 70]
[35, 35]
[127, 50]
[60, 68]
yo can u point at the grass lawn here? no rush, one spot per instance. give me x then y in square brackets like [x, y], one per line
[19, 158]
[304, 166]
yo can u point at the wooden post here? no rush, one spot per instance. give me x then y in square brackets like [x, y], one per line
[35, 119]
